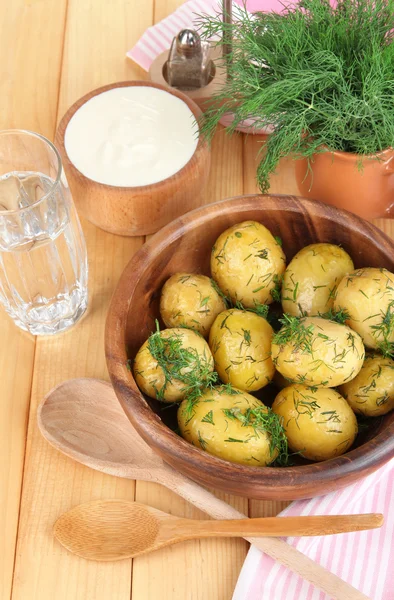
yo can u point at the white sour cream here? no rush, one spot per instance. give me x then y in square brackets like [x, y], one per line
[131, 136]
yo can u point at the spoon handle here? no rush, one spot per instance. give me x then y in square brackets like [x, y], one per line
[277, 549]
[281, 526]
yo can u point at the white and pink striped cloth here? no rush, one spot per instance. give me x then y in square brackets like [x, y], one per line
[365, 559]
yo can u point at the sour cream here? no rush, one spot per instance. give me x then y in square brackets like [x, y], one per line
[131, 136]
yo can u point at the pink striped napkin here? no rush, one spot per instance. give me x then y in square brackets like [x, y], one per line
[365, 559]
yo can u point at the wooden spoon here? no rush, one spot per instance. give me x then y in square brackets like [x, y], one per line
[83, 419]
[117, 529]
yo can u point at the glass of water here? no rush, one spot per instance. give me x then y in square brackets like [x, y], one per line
[43, 262]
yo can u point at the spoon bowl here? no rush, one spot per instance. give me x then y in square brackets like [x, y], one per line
[83, 419]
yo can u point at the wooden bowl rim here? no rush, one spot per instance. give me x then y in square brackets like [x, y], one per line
[370, 455]
[202, 145]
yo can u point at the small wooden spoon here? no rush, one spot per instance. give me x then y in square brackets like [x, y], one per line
[83, 419]
[116, 529]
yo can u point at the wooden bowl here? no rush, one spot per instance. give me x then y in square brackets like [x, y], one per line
[185, 245]
[138, 210]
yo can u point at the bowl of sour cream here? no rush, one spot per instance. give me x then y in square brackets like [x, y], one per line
[134, 156]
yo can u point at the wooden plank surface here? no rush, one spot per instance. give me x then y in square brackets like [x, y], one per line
[29, 85]
[97, 37]
[56, 51]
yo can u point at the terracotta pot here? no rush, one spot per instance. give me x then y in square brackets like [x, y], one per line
[365, 188]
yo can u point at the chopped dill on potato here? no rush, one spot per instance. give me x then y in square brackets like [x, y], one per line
[183, 364]
[339, 316]
[263, 419]
[294, 331]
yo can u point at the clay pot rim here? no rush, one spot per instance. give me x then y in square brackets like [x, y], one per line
[59, 138]
[352, 156]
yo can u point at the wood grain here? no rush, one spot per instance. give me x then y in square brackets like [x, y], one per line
[97, 37]
[30, 68]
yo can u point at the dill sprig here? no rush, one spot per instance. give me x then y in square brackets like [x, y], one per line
[321, 75]
[217, 289]
[181, 364]
[383, 332]
[293, 331]
[259, 309]
[339, 316]
[263, 419]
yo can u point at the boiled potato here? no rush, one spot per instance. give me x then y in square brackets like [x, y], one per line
[319, 423]
[367, 295]
[316, 351]
[240, 343]
[232, 425]
[371, 393]
[190, 300]
[246, 263]
[311, 279]
[172, 362]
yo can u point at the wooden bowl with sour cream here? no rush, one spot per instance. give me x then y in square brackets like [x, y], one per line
[102, 172]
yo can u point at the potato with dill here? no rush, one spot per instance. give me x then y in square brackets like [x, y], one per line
[240, 343]
[316, 351]
[319, 423]
[190, 300]
[371, 393]
[247, 263]
[367, 295]
[311, 279]
[173, 363]
[233, 425]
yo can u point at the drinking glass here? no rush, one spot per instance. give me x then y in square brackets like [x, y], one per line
[43, 262]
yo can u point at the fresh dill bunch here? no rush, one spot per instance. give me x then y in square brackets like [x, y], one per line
[321, 76]
[293, 331]
[263, 419]
[339, 316]
[180, 363]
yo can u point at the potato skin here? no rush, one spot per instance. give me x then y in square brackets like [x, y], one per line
[240, 343]
[319, 423]
[150, 377]
[371, 393]
[207, 427]
[245, 262]
[190, 300]
[366, 294]
[311, 279]
[334, 355]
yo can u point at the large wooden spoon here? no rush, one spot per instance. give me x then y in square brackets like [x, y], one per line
[118, 529]
[83, 419]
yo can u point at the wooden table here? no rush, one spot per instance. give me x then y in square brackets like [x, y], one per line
[53, 52]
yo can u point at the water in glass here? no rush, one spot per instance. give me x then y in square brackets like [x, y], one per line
[43, 264]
